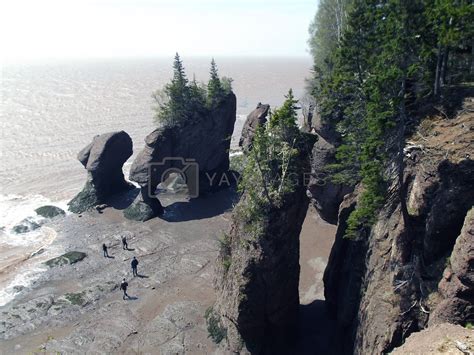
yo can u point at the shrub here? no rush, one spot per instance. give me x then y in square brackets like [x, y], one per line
[214, 327]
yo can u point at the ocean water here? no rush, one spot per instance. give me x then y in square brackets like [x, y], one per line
[48, 112]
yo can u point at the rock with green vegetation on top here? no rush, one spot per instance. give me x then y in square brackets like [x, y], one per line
[69, 258]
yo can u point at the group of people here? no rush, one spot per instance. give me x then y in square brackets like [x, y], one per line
[134, 265]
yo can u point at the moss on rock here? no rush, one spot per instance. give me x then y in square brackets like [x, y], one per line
[85, 199]
[71, 257]
[50, 211]
[139, 211]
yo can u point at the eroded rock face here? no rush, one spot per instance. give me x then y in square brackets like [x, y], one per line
[199, 149]
[383, 285]
[326, 196]
[457, 285]
[103, 159]
[255, 119]
[258, 275]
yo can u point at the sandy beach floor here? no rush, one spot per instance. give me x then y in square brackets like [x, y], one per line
[79, 308]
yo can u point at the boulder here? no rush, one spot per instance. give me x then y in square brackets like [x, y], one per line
[26, 225]
[50, 211]
[255, 119]
[198, 151]
[68, 258]
[326, 195]
[103, 159]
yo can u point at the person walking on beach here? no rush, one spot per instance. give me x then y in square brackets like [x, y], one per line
[124, 243]
[104, 248]
[123, 287]
[134, 266]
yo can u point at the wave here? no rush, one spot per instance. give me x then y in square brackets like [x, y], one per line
[21, 266]
[16, 208]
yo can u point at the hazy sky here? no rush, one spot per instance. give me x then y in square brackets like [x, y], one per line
[39, 29]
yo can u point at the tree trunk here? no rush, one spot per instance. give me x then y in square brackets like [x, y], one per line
[401, 156]
[444, 66]
[438, 71]
[471, 71]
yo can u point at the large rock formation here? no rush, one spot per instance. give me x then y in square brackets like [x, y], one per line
[103, 159]
[258, 273]
[255, 119]
[325, 194]
[384, 285]
[199, 150]
[456, 288]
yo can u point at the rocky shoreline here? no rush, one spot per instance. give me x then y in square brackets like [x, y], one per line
[68, 302]
[77, 308]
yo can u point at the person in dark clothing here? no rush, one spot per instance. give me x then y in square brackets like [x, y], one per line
[123, 287]
[104, 248]
[124, 243]
[134, 266]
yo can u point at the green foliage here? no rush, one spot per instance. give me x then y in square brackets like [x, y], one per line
[76, 299]
[181, 101]
[271, 168]
[225, 251]
[388, 56]
[214, 327]
[238, 162]
[326, 32]
[215, 91]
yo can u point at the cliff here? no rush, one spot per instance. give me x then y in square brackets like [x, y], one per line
[404, 275]
[258, 271]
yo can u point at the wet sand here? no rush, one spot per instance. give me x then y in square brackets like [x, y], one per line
[78, 308]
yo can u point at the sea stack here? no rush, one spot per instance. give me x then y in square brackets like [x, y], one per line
[197, 149]
[256, 118]
[103, 159]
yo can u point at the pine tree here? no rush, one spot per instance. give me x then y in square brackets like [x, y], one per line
[215, 92]
[286, 115]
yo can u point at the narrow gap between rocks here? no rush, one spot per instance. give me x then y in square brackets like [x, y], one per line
[316, 328]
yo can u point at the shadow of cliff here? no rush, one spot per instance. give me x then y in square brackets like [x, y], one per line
[123, 200]
[316, 331]
[207, 206]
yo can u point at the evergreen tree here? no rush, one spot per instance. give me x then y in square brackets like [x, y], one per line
[271, 164]
[215, 91]
[326, 31]
[182, 101]
[285, 117]
[390, 55]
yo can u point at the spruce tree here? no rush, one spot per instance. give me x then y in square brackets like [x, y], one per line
[215, 92]
[285, 116]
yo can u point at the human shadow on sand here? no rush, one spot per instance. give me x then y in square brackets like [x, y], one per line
[202, 207]
[143, 276]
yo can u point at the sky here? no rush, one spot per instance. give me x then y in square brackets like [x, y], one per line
[40, 29]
